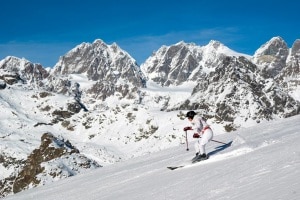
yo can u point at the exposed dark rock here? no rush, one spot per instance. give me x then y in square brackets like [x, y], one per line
[51, 148]
[2, 84]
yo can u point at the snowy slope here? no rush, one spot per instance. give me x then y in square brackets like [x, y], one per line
[262, 163]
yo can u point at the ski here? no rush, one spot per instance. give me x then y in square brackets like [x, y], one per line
[181, 166]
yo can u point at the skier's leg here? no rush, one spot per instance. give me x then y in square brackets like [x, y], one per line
[197, 150]
[206, 137]
[197, 146]
[202, 149]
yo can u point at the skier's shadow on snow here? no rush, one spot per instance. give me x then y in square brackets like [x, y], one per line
[220, 148]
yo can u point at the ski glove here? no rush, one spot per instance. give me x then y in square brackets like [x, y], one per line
[187, 128]
[196, 135]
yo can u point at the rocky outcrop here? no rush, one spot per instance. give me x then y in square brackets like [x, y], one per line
[8, 162]
[55, 152]
[2, 84]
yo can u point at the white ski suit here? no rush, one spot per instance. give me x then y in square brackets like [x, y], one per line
[200, 126]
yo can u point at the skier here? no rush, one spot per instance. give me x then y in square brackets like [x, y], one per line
[203, 133]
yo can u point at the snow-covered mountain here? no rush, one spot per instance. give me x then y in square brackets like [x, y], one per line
[96, 106]
[109, 69]
[271, 57]
[289, 77]
[229, 88]
[176, 64]
[14, 70]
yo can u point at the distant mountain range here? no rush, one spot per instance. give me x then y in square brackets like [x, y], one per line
[97, 106]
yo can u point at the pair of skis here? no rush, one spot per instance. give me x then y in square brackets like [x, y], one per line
[193, 162]
[219, 148]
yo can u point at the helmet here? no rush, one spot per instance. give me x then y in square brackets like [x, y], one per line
[190, 114]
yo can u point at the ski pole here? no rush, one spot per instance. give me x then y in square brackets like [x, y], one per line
[187, 142]
[217, 141]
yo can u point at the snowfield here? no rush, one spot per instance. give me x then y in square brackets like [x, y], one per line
[263, 162]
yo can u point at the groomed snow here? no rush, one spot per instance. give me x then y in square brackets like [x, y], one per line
[263, 162]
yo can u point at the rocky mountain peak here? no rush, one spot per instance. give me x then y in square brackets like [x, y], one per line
[175, 64]
[296, 49]
[109, 67]
[290, 75]
[271, 57]
[100, 62]
[215, 44]
[14, 70]
[172, 65]
[276, 46]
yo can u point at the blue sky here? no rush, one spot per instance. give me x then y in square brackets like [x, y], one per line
[43, 30]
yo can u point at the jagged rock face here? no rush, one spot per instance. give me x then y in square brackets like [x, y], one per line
[14, 70]
[289, 78]
[296, 49]
[62, 85]
[51, 150]
[235, 86]
[101, 62]
[8, 162]
[226, 85]
[183, 62]
[293, 65]
[102, 91]
[271, 57]
[172, 65]
[112, 69]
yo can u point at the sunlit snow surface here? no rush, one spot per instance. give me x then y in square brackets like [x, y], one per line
[263, 162]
